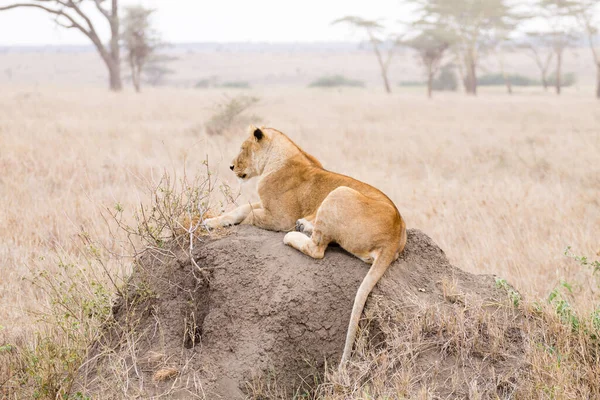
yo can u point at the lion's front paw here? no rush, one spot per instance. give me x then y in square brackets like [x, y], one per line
[218, 222]
[211, 223]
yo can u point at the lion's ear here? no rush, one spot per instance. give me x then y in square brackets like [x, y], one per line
[258, 134]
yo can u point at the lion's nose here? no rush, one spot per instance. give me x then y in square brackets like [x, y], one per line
[231, 167]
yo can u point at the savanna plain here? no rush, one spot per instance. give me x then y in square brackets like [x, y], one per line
[502, 183]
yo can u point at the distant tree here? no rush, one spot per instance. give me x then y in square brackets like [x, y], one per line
[156, 69]
[500, 54]
[140, 41]
[71, 15]
[431, 46]
[587, 13]
[559, 16]
[374, 31]
[539, 47]
[474, 24]
[499, 45]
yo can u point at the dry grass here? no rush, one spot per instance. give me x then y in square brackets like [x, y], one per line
[164, 374]
[502, 184]
[470, 350]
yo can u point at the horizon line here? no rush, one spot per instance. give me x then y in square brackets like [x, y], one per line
[197, 43]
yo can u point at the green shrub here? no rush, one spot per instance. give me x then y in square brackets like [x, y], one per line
[498, 79]
[568, 79]
[213, 82]
[336, 81]
[204, 84]
[47, 365]
[235, 85]
[513, 295]
[558, 298]
[446, 80]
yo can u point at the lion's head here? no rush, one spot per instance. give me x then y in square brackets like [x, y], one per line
[250, 161]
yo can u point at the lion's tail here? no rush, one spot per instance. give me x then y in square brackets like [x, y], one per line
[380, 265]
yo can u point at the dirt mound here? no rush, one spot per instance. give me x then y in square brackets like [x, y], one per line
[248, 316]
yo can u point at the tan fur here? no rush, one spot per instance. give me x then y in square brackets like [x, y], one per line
[297, 192]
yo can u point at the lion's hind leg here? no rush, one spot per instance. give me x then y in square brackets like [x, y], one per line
[364, 227]
[305, 244]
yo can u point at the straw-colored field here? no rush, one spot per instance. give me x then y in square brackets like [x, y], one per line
[503, 184]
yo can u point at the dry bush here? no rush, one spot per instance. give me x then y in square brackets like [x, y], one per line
[399, 364]
[230, 115]
[559, 361]
[45, 363]
[51, 362]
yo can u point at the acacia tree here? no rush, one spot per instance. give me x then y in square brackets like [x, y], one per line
[559, 18]
[587, 15]
[431, 46]
[500, 50]
[140, 41]
[374, 31]
[539, 48]
[71, 15]
[474, 24]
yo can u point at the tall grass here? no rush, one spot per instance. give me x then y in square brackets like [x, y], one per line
[502, 184]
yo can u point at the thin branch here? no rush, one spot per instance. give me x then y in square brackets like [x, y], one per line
[71, 4]
[57, 22]
[103, 10]
[91, 34]
[60, 13]
[375, 42]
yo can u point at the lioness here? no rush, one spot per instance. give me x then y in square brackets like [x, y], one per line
[297, 192]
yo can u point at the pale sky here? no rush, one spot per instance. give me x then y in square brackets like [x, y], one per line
[215, 21]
